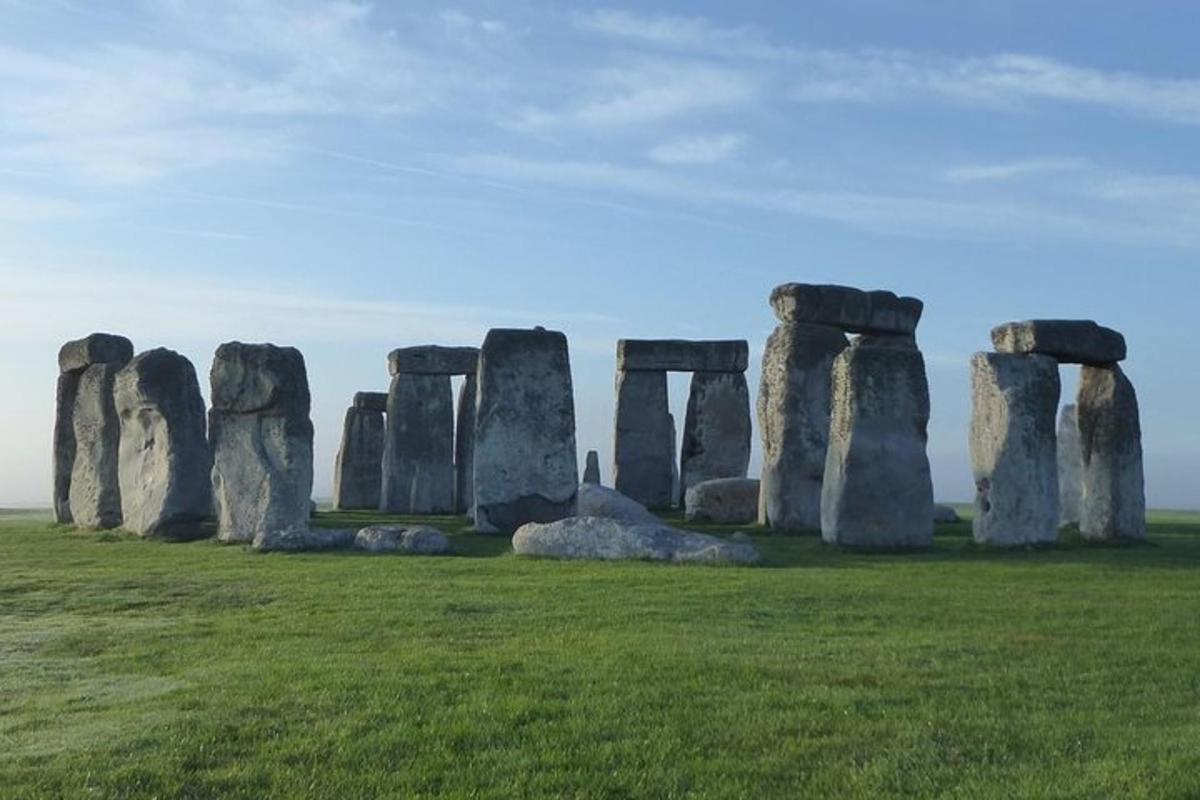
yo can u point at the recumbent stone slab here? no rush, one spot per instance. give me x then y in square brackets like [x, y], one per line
[1110, 434]
[358, 467]
[724, 500]
[643, 442]
[682, 355]
[599, 539]
[595, 500]
[1070, 466]
[418, 454]
[716, 429]
[852, 310]
[433, 359]
[1068, 341]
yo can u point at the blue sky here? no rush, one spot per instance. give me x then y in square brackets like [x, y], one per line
[350, 177]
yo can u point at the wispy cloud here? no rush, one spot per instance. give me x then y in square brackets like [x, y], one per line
[1006, 170]
[33, 208]
[711, 149]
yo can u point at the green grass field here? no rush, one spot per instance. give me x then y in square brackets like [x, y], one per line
[134, 668]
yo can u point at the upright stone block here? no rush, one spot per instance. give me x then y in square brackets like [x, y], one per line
[1070, 466]
[262, 442]
[793, 420]
[1110, 434]
[877, 490]
[643, 446]
[95, 490]
[716, 430]
[526, 467]
[165, 465]
[464, 446]
[591, 469]
[358, 467]
[1013, 449]
[418, 456]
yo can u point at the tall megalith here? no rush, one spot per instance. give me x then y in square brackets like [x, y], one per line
[358, 467]
[716, 430]
[464, 445]
[643, 447]
[1110, 435]
[1070, 466]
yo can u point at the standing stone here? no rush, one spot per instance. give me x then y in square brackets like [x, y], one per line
[793, 420]
[95, 490]
[1070, 466]
[262, 442]
[418, 456]
[165, 463]
[591, 469]
[358, 468]
[526, 467]
[716, 431]
[643, 447]
[675, 491]
[877, 490]
[464, 446]
[1110, 434]
[1013, 450]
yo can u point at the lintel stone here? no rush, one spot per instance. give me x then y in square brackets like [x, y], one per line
[433, 359]
[371, 401]
[681, 355]
[1069, 341]
[852, 310]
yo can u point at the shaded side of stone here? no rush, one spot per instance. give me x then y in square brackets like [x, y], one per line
[418, 455]
[64, 444]
[643, 447]
[464, 446]
[97, 348]
[95, 491]
[358, 468]
[591, 469]
[1070, 466]
[1110, 434]
[716, 430]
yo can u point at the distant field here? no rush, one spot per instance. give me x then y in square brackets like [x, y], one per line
[133, 668]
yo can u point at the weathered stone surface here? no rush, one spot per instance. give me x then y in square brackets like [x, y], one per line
[64, 444]
[98, 348]
[877, 490]
[1068, 341]
[793, 420]
[371, 401]
[725, 500]
[1013, 451]
[682, 355]
[945, 515]
[165, 468]
[1110, 434]
[643, 444]
[847, 308]
[464, 447]
[358, 467]
[420, 540]
[716, 431]
[1070, 466]
[675, 490]
[594, 500]
[262, 442]
[598, 539]
[95, 491]
[298, 540]
[433, 359]
[591, 469]
[418, 454]
[526, 467]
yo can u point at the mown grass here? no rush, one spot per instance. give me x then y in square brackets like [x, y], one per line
[133, 668]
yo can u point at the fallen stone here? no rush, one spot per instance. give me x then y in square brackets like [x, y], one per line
[419, 540]
[358, 467]
[1067, 341]
[1110, 434]
[591, 470]
[98, 348]
[716, 430]
[418, 453]
[643, 441]
[371, 401]
[464, 447]
[299, 540]
[852, 310]
[95, 490]
[594, 500]
[597, 539]
[681, 355]
[433, 360]
[1070, 466]
[725, 500]
[945, 515]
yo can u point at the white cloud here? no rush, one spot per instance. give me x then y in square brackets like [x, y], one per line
[1006, 170]
[698, 149]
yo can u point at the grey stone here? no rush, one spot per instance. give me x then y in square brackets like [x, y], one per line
[716, 431]
[420, 540]
[852, 310]
[1013, 449]
[298, 540]
[643, 444]
[433, 359]
[591, 470]
[725, 500]
[1070, 466]
[64, 445]
[681, 355]
[165, 468]
[262, 442]
[371, 401]
[95, 490]
[358, 467]
[598, 539]
[945, 515]
[594, 500]
[1110, 434]
[418, 454]
[877, 490]
[1067, 341]
[675, 491]
[98, 348]
[464, 447]
[793, 420]
[526, 466]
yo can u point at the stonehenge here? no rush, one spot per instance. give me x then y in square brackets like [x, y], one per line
[1070, 465]
[1113, 506]
[591, 469]
[723, 500]
[464, 445]
[358, 468]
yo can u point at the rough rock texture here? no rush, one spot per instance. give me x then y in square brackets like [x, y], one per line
[793, 421]
[945, 515]
[716, 431]
[591, 469]
[725, 500]
[371, 401]
[597, 501]
[418, 454]
[464, 447]
[64, 444]
[1068, 341]
[526, 466]
[358, 468]
[95, 491]
[643, 444]
[433, 360]
[849, 309]
[1070, 466]
[597, 539]
[165, 468]
[1013, 448]
[298, 540]
[675, 492]
[877, 490]
[1110, 434]
[98, 348]
[681, 355]
[420, 540]
[262, 442]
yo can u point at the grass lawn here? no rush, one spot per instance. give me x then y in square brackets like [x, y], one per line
[134, 668]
